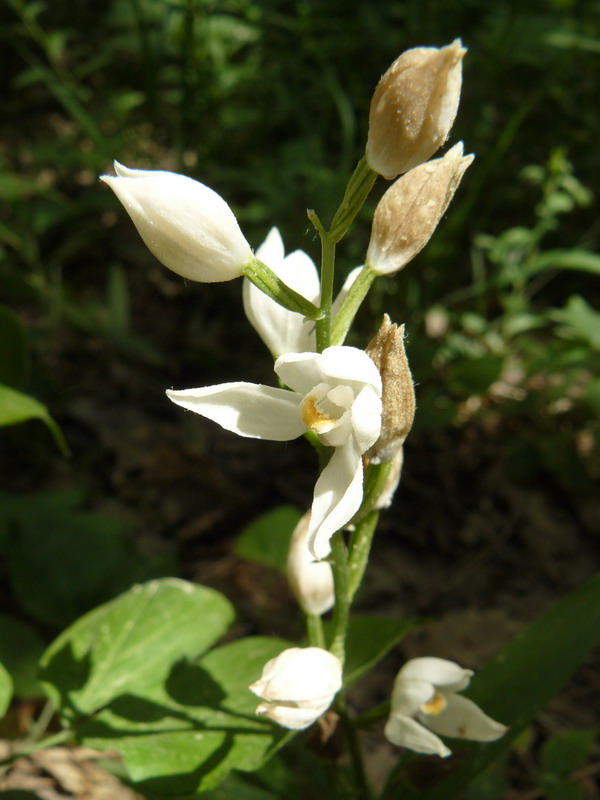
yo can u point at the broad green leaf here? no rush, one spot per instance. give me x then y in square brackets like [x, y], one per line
[6, 690]
[267, 539]
[234, 786]
[14, 361]
[131, 643]
[16, 407]
[369, 639]
[564, 259]
[20, 650]
[518, 682]
[183, 733]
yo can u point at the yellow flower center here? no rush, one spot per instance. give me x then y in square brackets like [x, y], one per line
[434, 706]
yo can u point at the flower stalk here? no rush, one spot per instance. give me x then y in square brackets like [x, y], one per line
[341, 610]
[267, 281]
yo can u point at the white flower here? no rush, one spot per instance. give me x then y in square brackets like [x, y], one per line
[281, 330]
[425, 699]
[336, 394]
[310, 580]
[298, 686]
[186, 225]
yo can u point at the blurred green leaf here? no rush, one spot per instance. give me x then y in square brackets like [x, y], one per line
[6, 690]
[555, 788]
[14, 350]
[474, 376]
[131, 643]
[267, 539]
[369, 640]
[566, 751]
[20, 650]
[582, 318]
[16, 407]
[582, 260]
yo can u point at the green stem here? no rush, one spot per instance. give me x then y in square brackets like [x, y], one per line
[323, 326]
[341, 610]
[364, 791]
[372, 716]
[357, 191]
[357, 293]
[266, 280]
[314, 630]
[360, 547]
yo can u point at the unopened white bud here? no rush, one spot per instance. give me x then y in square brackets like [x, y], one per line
[410, 210]
[298, 686]
[311, 581]
[187, 226]
[413, 108]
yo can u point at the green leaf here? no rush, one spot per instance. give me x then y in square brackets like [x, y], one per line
[522, 678]
[183, 733]
[20, 650]
[555, 788]
[17, 407]
[131, 643]
[566, 751]
[14, 364]
[582, 318]
[474, 376]
[267, 539]
[564, 259]
[64, 561]
[6, 690]
[369, 639]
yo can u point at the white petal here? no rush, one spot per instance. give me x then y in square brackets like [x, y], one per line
[349, 365]
[406, 732]
[311, 581]
[366, 417]
[185, 224]
[281, 330]
[463, 719]
[294, 717]
[248, 409]
[271, 251]
[300, 675]
[299, 371]
[338, 495]
[438, 671]
[409, 695]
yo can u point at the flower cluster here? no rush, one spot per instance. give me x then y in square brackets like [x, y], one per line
[356, 406]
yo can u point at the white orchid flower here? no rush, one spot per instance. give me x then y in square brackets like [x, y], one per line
[425, 703]
[336, 394]
[281, 330]
[298, 686]
[186, 225]
[311, 581]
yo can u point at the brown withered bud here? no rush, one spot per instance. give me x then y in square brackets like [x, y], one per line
[409, 212]
[386, 350]
[413, 108]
